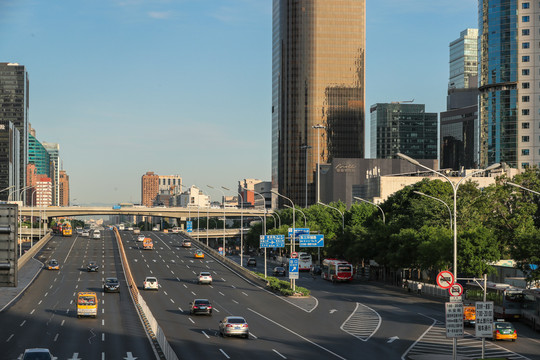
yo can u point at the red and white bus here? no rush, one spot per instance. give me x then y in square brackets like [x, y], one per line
[304, 261]
[336, 270]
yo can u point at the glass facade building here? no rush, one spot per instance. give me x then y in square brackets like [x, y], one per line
[39, 156]
[404, 128]
[54, 152]
[318, 60]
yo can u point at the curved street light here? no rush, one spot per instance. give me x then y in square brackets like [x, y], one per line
[293, 230]
[341, 213]
[303, 214]
[372, 203]
[439, 200]
[524, 188]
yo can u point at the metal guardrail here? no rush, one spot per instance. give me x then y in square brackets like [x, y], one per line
[159, 341]
[33, 250]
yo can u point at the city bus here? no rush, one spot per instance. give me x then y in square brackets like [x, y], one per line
[530, 312]
[67, 230]
[507, 300]
[304, 261]
[336, 270]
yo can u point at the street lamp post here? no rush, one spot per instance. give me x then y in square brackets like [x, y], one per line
[454, 188]
[32, 204]
[306, 148]
[434, 198]
[293, 230]
[303, 214]
[223, 204]
[372, 203]
[341, 213]
[318, 127]
[241, 226]
[524, 188]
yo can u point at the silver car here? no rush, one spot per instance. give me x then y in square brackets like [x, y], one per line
[234, 325]
[205, 278]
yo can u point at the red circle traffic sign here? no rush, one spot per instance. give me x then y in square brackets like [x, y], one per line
[455, 290]
[294, 255]
[445, 279]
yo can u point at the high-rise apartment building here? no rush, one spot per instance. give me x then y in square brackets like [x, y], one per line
[509, 89]
[459, 137]
[149, 188]
[318, 58]
[248, 197]
[43, 190]
[170, 184]
[14, 108]
[54, 152]
[405, 128]
[63, 188]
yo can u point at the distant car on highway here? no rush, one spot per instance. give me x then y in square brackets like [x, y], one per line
[252, 262]
[53, 265]
[37, 354]
[279, 271]
[92, 266]
[111, 285]
[234, 325]
[140, 237]
[155, 228]
[96, 234]
[205, 278]
[85, 233]
[200, 306]
[186, 243]
[150, 283]
[199, 254]
[130, 228]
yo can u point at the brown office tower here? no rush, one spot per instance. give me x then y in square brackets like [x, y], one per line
[318, 57]
[63, 188]
[150, 188]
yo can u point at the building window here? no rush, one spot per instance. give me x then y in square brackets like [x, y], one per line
[525, 85]
[524, 165]
[525, 138]
[525, 5]
[525, 58]
[525, 45]
[525, 72]
[525, 32]
[525, 18]
[525, 125]
[525, 152]
[524, 111]
[525, 98]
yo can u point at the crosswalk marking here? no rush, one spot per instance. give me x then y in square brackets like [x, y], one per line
[363, 323]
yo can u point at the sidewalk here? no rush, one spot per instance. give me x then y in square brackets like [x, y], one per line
[26, 275]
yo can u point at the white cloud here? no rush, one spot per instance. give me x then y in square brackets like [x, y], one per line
[159, 14]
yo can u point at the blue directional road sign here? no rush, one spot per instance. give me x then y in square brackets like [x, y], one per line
[293, 269]
[272, 241]
[311, 240]
[189, 226]
[298, 231]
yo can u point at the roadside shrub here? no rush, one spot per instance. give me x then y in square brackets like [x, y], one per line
[284, 287]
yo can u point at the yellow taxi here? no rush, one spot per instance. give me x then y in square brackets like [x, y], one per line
[503, 330]
[53, 265]
[199, 254]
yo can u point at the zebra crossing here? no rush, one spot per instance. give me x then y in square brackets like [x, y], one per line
[434, 341]
[362, 323]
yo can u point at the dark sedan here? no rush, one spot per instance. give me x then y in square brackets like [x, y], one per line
[279, 271]
[92, 267]
[200, 306]
[111, 285]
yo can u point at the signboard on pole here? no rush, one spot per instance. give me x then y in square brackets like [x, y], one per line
[455, 290]
[220, 250]
[293, 269]
[445, 279]
[297, 231]
[189, 226]
[484, 319]
[307, 240]
[454, 319]
[272, 241]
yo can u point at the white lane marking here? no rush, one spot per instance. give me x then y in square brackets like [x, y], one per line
[234, 301]
[169, 268]
[40, 301]
[300, 336]
[70, 249]
[50, 287]
[222, 293]
[185, 286]
[31, 312]
[274, 350]
[420, 338]
[151, 272]
[179, 308]
[208, 267]
[211, 287]
[251, 334]
[190, 319]
[102, 356]
[103, 337]
[244, 293]
[47, 293]
[208, 337]
[194, 293]
[188, 266]
[224, 353]
[177, 278]
[234, 287]
[103, 311]
[23, 323]
[63, 321]
[216, 310]
[9, 338]
[56, 337]
[363, 322]
[165, 293]
[223, 279]
[77, 286]
[215, 273]
[172, 301]
[74, 294]
[102, 321]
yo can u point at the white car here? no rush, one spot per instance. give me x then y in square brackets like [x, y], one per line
[150, 283]
[140, 237]
[155, 228]
[37, 354]
[85, 233]
[97, 234]
[205, 278]
[130, 228]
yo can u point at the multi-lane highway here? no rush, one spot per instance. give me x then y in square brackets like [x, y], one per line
[340, 321]
[45, 316]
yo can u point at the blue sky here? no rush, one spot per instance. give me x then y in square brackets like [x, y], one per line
[184, 86]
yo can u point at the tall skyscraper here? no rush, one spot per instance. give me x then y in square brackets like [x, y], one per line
[318, 57]
[64, 188]
[149, 188]
[9, 158]
[404, 128]
[54, 152]
[14, 108]
[39, 156]
[459, 137]
[509, 88]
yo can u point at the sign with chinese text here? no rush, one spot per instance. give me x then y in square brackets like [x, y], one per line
[454, 319]
[484, 319]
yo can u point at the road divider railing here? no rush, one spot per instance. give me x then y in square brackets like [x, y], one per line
[33, 250]
[154, 331]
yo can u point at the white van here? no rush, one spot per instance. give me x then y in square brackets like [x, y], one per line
[97, 234]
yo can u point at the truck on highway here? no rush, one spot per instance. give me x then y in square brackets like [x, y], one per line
[148, 244]
[87, 304]
[469, 315]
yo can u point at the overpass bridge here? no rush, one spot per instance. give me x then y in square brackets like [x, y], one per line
[182, 213]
